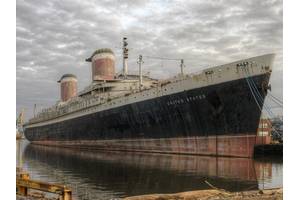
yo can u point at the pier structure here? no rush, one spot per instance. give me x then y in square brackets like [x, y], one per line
[24, 184]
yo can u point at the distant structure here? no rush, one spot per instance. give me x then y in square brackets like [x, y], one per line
[271, 128]
[103, 64]
[19, 125]
[277, 131]
[68, 87]
[264, 128]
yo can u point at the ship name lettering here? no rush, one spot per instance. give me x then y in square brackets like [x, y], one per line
[187, 99]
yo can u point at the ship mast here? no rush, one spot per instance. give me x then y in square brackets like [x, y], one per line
[125, 57]
[140, 61]
[182, 66]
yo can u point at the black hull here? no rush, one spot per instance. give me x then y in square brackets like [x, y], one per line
[222, 109]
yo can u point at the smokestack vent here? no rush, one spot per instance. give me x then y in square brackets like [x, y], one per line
[103, 64]
[68, 86]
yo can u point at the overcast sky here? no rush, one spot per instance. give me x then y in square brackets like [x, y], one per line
[54, 37]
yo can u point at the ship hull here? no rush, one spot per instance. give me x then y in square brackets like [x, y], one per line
[220, 119]
[224, 145]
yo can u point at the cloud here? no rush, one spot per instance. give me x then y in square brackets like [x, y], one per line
[54, 37]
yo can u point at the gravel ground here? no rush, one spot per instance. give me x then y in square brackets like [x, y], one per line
[275, 194]
[272, 194]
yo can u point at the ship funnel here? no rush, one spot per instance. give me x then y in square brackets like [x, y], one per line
[103, 64]
[68, 86]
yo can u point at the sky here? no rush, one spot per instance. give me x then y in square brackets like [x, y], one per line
[55, 37]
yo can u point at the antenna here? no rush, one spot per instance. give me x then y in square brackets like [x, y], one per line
[125, 57]
[140, 61]
[34, 110]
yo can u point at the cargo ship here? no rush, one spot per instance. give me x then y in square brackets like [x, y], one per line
[213, 112]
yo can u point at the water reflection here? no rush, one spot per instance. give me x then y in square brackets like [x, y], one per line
[106, 175]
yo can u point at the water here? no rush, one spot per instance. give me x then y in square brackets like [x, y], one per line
[112, 175]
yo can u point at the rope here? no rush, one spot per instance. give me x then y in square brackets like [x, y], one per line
[277, 101]
[258, 105]
[258, 98]
[161, 58]
[259, 95]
